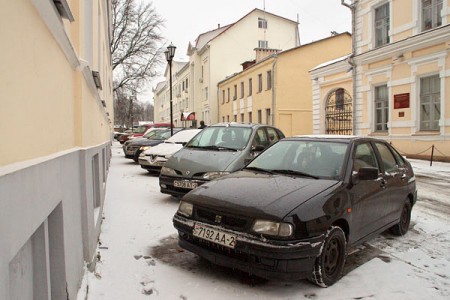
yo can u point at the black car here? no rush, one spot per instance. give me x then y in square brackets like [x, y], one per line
[295, 209]
[216, 151]
[134, 148]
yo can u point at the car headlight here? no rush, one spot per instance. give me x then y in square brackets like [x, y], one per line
[143, 148]
[168, 171]
[214, 175]
[273, 228]
[185, 209]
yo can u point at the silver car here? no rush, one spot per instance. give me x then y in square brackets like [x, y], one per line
[216, 151]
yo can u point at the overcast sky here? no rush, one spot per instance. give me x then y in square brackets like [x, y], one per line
[185, 20]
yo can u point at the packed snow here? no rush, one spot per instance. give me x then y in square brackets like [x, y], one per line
[138, 256]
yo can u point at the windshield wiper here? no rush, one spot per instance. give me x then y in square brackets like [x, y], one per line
[292, 172]
[218, 148]
[259, 169]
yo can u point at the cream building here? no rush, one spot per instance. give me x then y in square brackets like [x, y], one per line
[219, 52]
[56, 126]
[275, 88]
[402, 75]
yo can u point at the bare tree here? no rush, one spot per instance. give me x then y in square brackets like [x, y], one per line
[136, 45]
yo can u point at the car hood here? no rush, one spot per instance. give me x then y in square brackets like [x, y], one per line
[257, 194]
[200, 161]
[164, 149]
[148, 142]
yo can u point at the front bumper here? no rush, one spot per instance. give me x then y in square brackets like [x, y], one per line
[166, 184]
[280, 260]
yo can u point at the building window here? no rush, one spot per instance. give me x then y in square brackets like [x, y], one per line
[223, 119]
[263, 44]
[268, 116]
[235, 118]
[250, 86]
[339, 98]
[250, 117]
[259, 116]
[259, 83]
[228, 118]
[235, 92]
[187, 85]
[382, 25]
[223, 96]
[242, 118]
[430, 102]
[242, 89]
[431, 14]
[381, 108]
[269, 80]
[228, 99]
[262, 23]
[206, 93]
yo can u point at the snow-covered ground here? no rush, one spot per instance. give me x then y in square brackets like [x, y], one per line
[140, 259]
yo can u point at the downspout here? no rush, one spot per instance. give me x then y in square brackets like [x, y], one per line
[273, 87]
[352, 7]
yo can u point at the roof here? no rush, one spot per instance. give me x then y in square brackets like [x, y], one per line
[333, 61]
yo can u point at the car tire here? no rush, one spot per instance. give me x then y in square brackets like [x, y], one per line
[331, 260]
[401, 228]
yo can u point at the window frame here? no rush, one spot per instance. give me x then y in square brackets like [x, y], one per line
[250, 86]
[430, 105]
[260, 83]
[386, 26]
[269, 79]
[435, 14]
[262, 23]
[384, 109]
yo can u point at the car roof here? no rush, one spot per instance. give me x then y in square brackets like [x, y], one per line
[332, 137]
[236, 124]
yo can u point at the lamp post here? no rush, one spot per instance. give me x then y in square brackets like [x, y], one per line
[170, 52]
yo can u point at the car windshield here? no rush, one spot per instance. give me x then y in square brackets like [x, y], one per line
[141, 129]
[153, 132]
[304, 158]
[221, 138]
[161, 135]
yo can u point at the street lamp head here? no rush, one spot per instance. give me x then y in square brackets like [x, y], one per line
[170, 52]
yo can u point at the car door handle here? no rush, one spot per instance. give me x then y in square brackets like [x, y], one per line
[383, 183]
[403, 176]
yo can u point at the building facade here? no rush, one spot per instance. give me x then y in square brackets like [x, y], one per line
[220, 52]
[56, 115]
[402, 74]
[276, 88]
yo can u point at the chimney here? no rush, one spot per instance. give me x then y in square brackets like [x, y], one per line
[218, 26]
[247, 64]
[262, 53]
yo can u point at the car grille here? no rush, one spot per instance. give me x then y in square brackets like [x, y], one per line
[228, 221]
[133, 148]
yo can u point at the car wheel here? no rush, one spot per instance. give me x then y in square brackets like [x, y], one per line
[330, 263]
[405, 218]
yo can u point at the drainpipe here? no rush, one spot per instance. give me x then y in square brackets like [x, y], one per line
[352, 7]
[273, 87]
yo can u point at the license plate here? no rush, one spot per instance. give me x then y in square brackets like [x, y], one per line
[214, 235]
[185, 184]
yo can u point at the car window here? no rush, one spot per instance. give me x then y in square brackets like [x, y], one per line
[260, 138]
[398, 157]
[389, 162]
[318, 158]
[229, 137]
[273, 136]
[364, 157]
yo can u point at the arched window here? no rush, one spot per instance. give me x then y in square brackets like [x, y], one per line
[338, 112]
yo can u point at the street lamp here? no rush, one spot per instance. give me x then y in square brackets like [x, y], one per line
[170, 52]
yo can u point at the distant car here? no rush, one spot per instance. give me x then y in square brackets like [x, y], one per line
[216, 151]
[142, 129]
[135, 147]
[148, 135]
[295, 209]
[122, 137]
[154, 158]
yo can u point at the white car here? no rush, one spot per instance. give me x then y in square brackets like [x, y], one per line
[154, 158]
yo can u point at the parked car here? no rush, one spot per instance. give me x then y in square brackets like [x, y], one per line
[218, 150]
[154, 158]
[148, 135]
[295, 209]
[123, 136]
[142, 129]
[135, 147]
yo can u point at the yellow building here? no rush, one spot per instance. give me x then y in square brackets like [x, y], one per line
[276, 88]
[401, 76]
[56, 122]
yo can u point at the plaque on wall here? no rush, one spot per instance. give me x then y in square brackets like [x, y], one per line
[401, 101]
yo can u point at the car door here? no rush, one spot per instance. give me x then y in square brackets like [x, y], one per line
[365, 195]
[396, 183]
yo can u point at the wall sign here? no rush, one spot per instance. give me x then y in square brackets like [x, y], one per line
[401, 101]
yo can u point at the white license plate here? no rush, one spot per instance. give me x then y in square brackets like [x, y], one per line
[214, 235]
[185, 184]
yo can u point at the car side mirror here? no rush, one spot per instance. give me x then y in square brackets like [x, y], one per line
[367, 173]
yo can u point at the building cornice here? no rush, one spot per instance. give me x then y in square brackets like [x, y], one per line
[420, 41]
